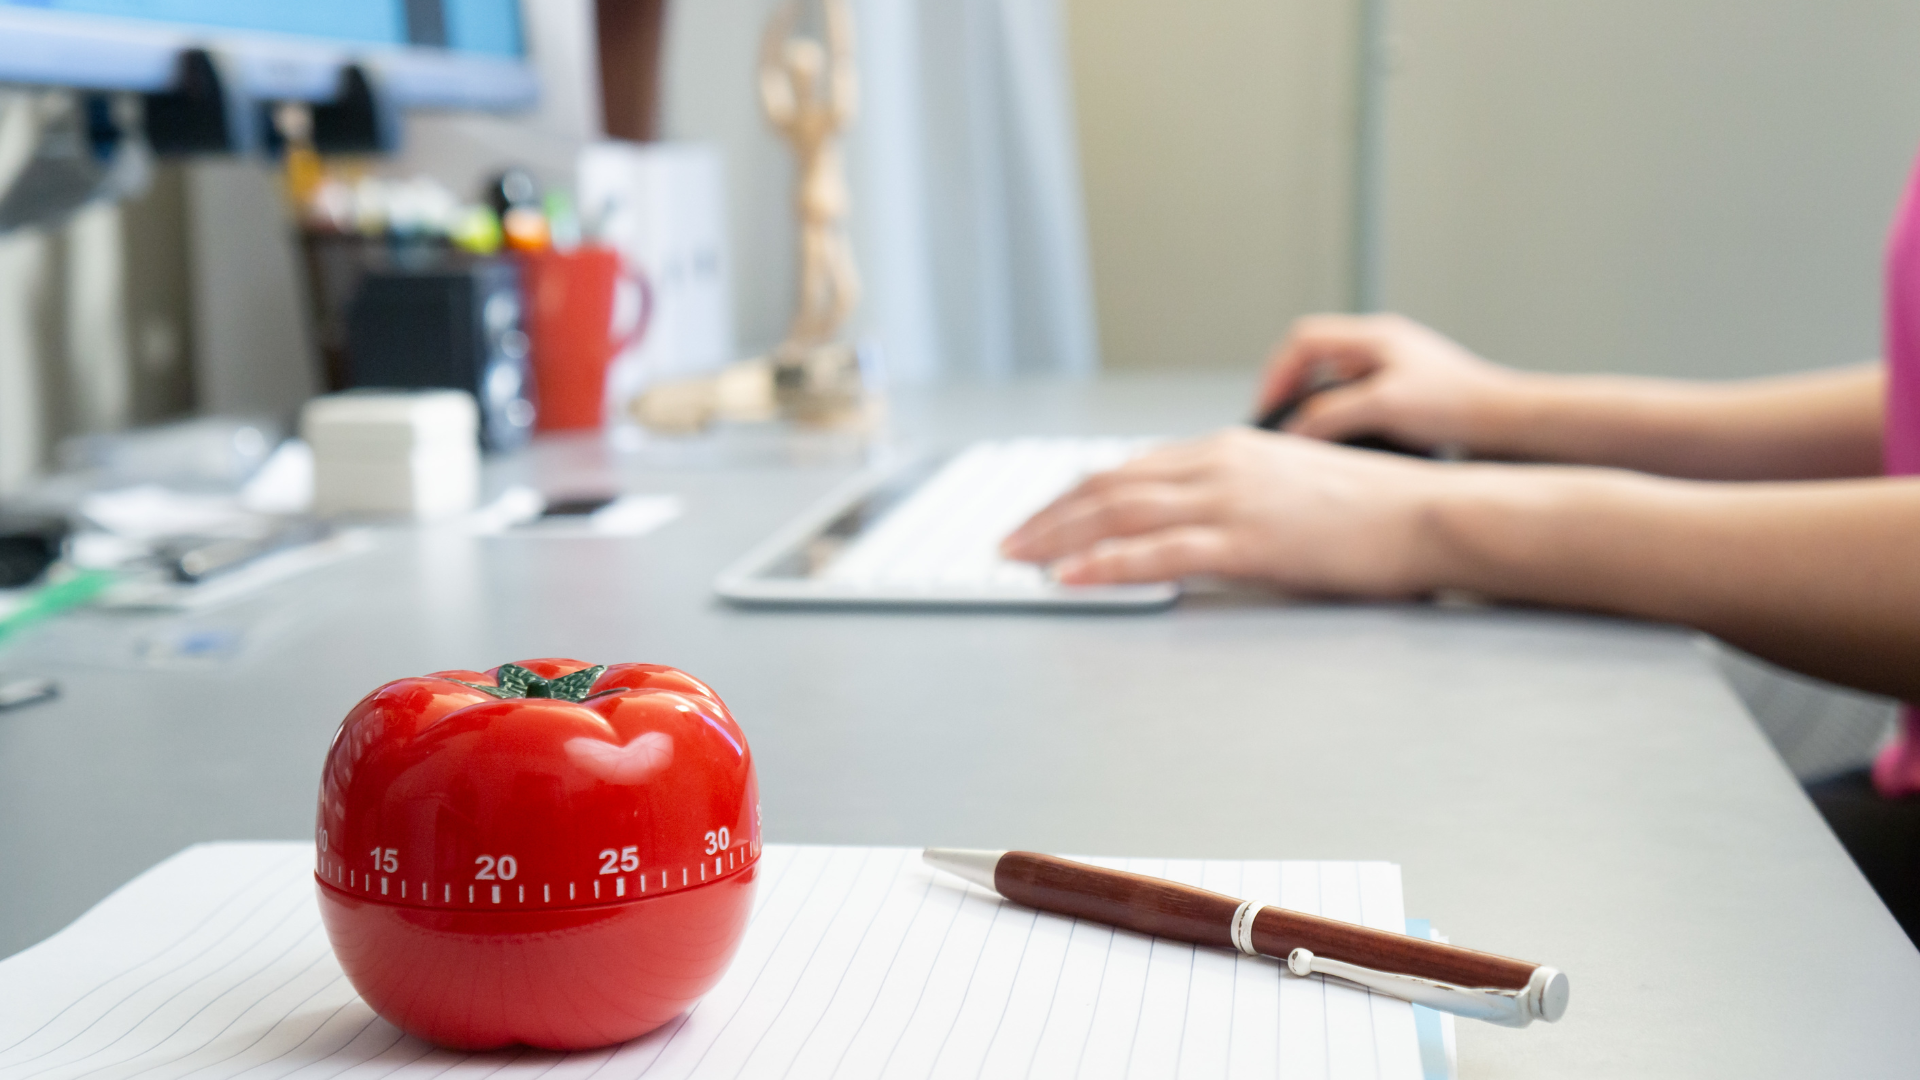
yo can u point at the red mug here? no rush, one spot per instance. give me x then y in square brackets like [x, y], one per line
[570, 308]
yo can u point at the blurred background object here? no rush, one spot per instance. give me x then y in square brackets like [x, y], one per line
[809, 95]
[1697, 189]
[77, 150]
[1694, 190]
[571, 299]
[28, 546]
[379, 137]
[663, 207]
[204, 453]
[410, 454]
[131, 293]
[964, 168]
[1038, 187]
[454, 323]
[20, 692]
[810, 92]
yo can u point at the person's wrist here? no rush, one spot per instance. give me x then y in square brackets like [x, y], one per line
[1468, 526]
[1435, 512]
[1512, 408]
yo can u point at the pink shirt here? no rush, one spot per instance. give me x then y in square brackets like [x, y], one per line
[1896, 772]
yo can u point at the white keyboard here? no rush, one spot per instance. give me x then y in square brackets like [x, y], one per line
[937, 544]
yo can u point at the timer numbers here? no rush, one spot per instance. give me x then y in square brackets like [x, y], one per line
[496, 867]
[718, 841]
[625, 860]
[386, 859]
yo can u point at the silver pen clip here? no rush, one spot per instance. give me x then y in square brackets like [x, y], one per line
[1543, 998]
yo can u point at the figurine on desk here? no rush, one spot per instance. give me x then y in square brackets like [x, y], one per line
[810, 95]
[810, 92]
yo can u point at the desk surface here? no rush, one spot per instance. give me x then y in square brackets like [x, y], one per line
[1580, 791]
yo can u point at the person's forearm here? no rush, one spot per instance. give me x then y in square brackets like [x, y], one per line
[1819, 577]
[1815, 426]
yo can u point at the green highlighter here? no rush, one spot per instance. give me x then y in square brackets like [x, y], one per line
[55, 597]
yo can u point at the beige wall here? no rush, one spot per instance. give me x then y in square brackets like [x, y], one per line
[1692, 189]
[1215, 143]
[1699, 188]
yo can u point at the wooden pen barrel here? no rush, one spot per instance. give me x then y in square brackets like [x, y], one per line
[1183, 913]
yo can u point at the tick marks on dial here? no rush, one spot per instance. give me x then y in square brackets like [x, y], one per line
[338, 872]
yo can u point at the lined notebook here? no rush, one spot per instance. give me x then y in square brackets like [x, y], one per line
[858, 962]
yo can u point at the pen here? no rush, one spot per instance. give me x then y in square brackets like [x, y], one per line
[1465, 982]
[55, 597]
[198, 563]
[15, 693]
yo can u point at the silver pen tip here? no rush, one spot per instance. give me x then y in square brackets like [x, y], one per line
[967, 864]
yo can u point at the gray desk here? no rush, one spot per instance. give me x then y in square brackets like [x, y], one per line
[1575, 790]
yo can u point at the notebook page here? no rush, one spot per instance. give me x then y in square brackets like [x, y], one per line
[858, 962]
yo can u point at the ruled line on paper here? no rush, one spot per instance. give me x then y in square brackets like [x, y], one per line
[799, 1028]
[893, 957]
[857, 962]
[236, 899]
[95, 995]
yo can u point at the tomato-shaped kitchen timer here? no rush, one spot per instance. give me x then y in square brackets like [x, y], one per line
[548, 853]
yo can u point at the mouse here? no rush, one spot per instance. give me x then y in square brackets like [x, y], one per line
[1276, 418]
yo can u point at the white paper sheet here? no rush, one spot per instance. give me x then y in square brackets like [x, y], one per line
[519, 513]
[858, 962]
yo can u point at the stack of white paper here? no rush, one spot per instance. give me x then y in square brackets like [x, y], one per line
[859, 962]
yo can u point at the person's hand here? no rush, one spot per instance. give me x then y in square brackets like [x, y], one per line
[1305, 516]
[1410, 384]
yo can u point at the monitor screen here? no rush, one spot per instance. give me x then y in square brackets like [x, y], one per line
[437, 53]
[488, 27]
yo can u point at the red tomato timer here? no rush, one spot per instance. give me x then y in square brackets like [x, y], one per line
[548, 853]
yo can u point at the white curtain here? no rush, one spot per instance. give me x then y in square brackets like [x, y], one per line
[967, 218]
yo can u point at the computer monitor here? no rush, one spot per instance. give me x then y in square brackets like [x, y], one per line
[457, 54]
